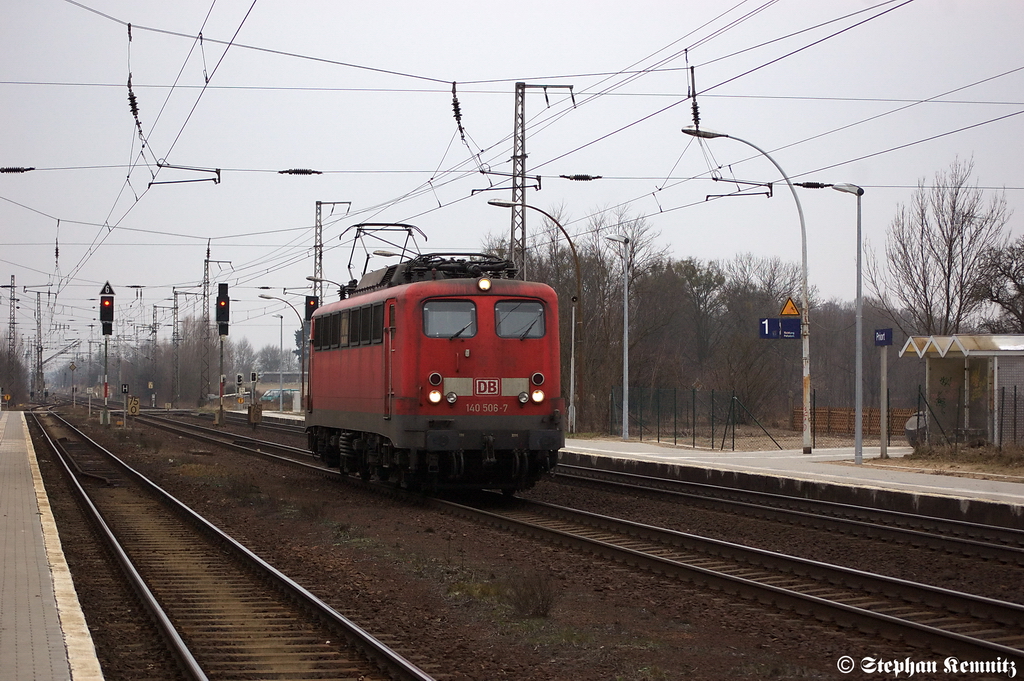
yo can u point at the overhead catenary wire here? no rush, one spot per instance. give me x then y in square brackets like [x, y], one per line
[460, 175]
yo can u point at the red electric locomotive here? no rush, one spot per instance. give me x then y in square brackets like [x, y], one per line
[440, 372]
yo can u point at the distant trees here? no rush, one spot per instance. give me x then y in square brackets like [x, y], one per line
[13, 371]
[1002, 283]
[940, 256]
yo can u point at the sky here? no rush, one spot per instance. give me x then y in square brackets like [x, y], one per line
[878, 94]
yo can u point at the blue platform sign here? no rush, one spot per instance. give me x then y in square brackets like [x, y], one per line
[773, 327]
[790, 327]
[883, 336]
[769, 328]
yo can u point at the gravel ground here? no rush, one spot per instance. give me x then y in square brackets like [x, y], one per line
[454, 596]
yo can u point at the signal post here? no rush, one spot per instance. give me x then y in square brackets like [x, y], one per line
[223, 317]
[107, 320]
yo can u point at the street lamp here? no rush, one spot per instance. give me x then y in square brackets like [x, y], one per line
[805, 328]
[577, 303]
[280, 367]
[858, 436]
[858, 426]
[302, 349]
[624, 240]
[341, 289]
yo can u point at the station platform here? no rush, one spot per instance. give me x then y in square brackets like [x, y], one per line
[43, 633]
[827, 474]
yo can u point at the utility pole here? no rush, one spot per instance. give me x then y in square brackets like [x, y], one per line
[204, 376]
[318, 246]
[204, 372]
[9, 378]
[517, 243]
[13, 321]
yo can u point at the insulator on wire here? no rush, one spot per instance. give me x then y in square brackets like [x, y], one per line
[299, 171]
[580, 178]
[15, 169]
[457, 110]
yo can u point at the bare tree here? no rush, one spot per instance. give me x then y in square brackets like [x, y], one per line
[934, 254]
[1002, 283]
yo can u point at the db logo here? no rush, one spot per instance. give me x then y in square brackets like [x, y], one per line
[486, 386]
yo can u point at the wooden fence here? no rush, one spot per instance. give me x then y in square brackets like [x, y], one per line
[841, 420]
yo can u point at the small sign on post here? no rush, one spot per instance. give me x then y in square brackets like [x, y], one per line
[883, 339]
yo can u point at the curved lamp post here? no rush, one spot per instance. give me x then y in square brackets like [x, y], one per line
[624, 240]
[577, 303]
[302, 349]
[805, 334]
[280, 367]
[858, 436]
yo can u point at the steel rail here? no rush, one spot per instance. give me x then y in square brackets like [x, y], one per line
[617, 540]
[179, 649]
[956, 536]
[386, 659]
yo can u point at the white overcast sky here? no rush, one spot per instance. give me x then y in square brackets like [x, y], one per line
[878, 94]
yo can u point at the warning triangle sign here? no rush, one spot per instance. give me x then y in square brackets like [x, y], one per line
[789, 309]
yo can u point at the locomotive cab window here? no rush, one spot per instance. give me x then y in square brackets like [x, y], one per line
[449, 319]
[519, 319]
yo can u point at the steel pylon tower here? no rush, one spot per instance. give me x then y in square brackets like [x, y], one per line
[318, 247]
[517, 244]
[204, 374]
[10, 325]
[175, 344]
[38, 379]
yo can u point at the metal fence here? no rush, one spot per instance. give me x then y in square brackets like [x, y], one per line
[718, 420]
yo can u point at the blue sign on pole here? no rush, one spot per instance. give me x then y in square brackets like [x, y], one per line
[883, 336]
[770, 328]
[773, 327]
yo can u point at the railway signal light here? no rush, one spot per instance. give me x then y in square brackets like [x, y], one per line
[223, 316]
[223, 309]
[312, 303]
[107, 314]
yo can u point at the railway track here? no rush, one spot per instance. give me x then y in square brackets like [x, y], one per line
[225, 612]
[943, 620]
[987, 542]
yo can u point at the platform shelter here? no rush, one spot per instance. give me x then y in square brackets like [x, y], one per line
[974, 386]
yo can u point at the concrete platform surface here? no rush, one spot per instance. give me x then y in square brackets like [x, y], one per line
[43, 633]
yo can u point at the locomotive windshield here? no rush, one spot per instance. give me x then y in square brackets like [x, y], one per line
[449, 319]
[519, 319]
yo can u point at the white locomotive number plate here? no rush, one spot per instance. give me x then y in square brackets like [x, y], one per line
[486, 408]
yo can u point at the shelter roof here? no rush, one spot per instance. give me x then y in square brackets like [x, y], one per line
[964, 346]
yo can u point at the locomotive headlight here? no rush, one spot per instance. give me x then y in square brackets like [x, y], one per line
[537, 396]
[451, 397]
[523, 397]
[484, 284]
[434, 396]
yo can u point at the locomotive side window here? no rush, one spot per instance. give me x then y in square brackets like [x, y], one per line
[366, 324]
[378, 323]
[343, 329]
[449, 319]
[519, 319]
[353, 327]
[318, 327]
[335, 327]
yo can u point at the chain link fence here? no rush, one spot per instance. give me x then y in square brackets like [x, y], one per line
[718, 420]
